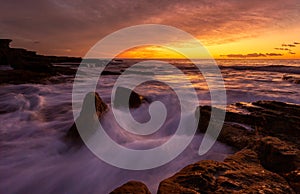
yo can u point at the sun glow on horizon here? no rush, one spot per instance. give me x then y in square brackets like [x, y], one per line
[150, 51]
[270, 45]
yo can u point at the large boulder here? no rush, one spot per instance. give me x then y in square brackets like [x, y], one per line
[257, 119]
[135, 99]
[270, 128]
[239, 173]
[92, 109]
[132, 187]
[277, 155]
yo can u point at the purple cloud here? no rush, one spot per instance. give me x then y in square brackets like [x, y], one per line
[76, 25]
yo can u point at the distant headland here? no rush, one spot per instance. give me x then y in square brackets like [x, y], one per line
[28, 66]
[19, 57]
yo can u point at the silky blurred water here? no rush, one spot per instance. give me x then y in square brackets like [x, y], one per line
[34, 118]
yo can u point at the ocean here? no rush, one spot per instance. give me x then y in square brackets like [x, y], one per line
[35, 117]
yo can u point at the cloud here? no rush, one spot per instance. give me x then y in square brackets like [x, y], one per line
[288, 45]
[274, 54]
[78, 24]
[234, 56]
[252, 55]
[284, 49]
[296, 42]
[256, 55]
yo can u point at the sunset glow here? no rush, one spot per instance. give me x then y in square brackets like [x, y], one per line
[268, 45]
[150, 96]
[230, 29]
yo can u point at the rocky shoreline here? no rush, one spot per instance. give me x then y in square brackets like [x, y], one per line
[30, 67]
[266, 135]
[20, 66]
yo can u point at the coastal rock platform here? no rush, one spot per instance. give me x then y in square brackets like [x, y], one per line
[266, 136]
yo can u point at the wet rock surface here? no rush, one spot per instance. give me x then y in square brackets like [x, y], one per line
[266, 135]
[239, 173]
[92, 109]
[256, 120]
[277, 155]
[271, 129]
[135, 99]
[132, 187]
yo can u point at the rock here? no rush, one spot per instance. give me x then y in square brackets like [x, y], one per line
[293, 178]
[267, 135]
[23, 60]
[276, 155]
[292, 79]
[270, 128]
[4, 43]
[232, 133]
[135, 100]
[195, 178]
[4, 51]
[236, 136]
[239, 173]
[88, 118]
[132, 187]
[33, 66]
[265, 118]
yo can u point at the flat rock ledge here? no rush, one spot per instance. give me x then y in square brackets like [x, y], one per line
[239, 173]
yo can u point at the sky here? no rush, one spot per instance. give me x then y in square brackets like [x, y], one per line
[228, 29]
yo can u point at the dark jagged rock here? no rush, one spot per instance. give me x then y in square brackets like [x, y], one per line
[19, 56]
[277, 155]
[4, 43]
[270, 128]
[4, 51]
[291, 79]
[132, 187]
[135, 100]
[261, 118]
[267, 134]
[239, 173]
[33, 66]
[23, 61]
[236, 136]
[92, 109]
[293, 178]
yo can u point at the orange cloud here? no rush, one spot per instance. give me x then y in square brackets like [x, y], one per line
[252, 55]
[64, 26]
